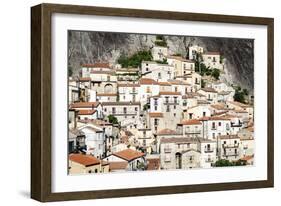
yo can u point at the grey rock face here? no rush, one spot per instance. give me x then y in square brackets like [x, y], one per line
[90, 47]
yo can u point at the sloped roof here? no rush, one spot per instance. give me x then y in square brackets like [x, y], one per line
[86, 160]
[129, 154]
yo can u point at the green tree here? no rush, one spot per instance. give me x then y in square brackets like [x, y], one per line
[239, 96]
[135, 60]
[112, 119]
[223, 163]
[216, 74]
[146, 107]
[246, 92]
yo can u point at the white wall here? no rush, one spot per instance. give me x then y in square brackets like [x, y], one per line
[15, 56]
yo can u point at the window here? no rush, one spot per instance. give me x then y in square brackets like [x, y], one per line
[190, 115]
[175, 114]
[213, 125]
[155, 122]
[168, 108]
[113, 110]
[235, 141]
[146, 69]
[125, 110]
[175, 106]
[175, 100]
[214, 135]
[136, 109]
[105, 109]
[167, 99]
[159, 75]
[176, 89]
[155, 108]
[219, 123]
[224, 142]
[108, 78]
[204, 114]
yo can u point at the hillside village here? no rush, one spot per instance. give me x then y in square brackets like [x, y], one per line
[157, 111]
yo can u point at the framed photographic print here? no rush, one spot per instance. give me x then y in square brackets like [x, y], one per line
[132, 102]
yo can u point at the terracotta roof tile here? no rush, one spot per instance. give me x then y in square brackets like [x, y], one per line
[167, 132]
[211, 53]
[156, 114]
[84, 105]
[147, 81]
[169, 93]
[191, 122]
[86, 160]
[129, 154]
[86, 112]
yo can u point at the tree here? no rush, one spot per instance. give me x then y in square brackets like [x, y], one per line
[135, 60]
[146, 107]
[216, 74]
[239, 96]
[223, 163]
[160, 41]
[245, 91]
[112, 119]
[227, 163]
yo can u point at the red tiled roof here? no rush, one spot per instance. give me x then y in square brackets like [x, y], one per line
[84, 104]
[191, 122]
[128, 85]
[84, 79]
[167, 132]
[246, 158]
[129, 154]
[164, 83]
[213, 118]
[147, 81]
[169, 93]
[211, 53]
[86, 160]
[97, 65]
[120, 103]
[229, 137]
[156, 114]
[86, 112]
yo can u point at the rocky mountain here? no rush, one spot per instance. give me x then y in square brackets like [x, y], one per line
[90, 47]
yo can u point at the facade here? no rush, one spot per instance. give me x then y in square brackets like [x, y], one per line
[83, 164]
[229, 147]
[125, 112]
[213, 60]
[135, 160]
[159, 53]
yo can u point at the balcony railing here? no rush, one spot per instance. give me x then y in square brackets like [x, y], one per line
[171, 102]
[209, 150]
[230, 145]
[167, 150]
[193, 132]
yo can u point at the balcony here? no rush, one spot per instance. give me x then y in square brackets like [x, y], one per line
[236, 125]
[171, 103]
[209, 160]
[167, 150]
[209, 150]
[192, 132]
[230, 145]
